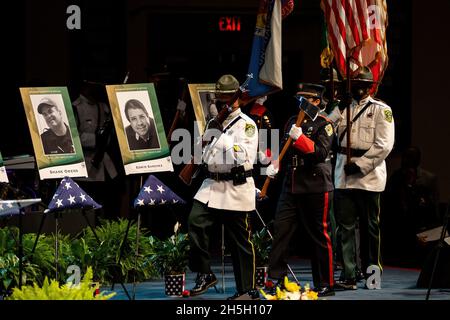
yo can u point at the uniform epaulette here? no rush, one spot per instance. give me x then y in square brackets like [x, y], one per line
[325, 117]
[245, 117]
[381, 102]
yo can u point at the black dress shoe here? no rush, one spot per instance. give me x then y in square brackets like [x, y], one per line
[279, 284]
[249, 295]
[345, 285]
[360, 276]
[325, 292]
[203, 282]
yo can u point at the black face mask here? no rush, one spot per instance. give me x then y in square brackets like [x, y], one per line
[221, 104]
[359, 92]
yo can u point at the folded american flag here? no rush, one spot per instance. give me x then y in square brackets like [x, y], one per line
[156, 193]
[70, 195]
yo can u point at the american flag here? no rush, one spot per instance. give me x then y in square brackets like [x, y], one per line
[265, 60]
[8, 208]
[70, 195]
[156, 193]
[14, 207]
[357, 32]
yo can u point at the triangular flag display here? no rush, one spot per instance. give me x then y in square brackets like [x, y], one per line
[156, 193]
[70, 195]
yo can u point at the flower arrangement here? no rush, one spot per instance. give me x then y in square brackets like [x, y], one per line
[262, 244]
[171, 255]
[292, 291]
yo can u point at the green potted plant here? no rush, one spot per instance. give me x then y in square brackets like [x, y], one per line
[171, 259]
[262, 243]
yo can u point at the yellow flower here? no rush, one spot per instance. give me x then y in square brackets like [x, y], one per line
[312, 295]
[267, 296]
[281, 295]
[291, 286]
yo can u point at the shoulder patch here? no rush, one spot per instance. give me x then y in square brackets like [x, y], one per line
[329, 129]
[250, 129]
[388, 115]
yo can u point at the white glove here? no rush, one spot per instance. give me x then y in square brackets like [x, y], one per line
[261, 100]
[271, 171]
[295, 132]
[213, 110]
[181, 105]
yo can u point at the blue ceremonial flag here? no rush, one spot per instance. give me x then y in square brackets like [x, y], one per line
[70, 195]
[156, 193]
[265, 59]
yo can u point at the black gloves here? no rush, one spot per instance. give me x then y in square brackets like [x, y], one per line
[351, 168]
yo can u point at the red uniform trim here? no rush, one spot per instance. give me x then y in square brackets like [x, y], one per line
[304, 144]
[258, 110]
[327, 237]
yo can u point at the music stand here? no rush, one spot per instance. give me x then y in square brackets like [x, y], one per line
[17, 207]
[440, 245]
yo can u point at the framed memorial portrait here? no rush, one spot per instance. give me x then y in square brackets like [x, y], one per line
[139, 128]
[54, 133]
[202, 97]
[3, 175]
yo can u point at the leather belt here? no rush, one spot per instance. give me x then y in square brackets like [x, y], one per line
[223, 176]
[353, 152]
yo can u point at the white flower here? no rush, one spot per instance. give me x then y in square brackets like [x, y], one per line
[176, 227]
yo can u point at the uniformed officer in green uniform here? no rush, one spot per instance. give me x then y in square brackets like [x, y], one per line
[227, 195]
[360, 181]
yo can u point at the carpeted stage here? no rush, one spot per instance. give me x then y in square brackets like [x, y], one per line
[397, 284]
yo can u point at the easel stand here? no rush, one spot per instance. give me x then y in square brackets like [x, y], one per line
[440, 245]
[119, 272]
[136, 253]
[58, 214]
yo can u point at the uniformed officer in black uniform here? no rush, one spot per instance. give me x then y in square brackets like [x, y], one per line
[306, 193]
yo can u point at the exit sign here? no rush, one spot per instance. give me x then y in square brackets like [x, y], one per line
[230, 23]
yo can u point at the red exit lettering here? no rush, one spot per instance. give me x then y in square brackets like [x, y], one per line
[230, 24]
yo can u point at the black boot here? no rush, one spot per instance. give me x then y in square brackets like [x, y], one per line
[203, 282]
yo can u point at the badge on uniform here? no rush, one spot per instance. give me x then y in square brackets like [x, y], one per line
[250, 130]
[329, 129]
[388, 115]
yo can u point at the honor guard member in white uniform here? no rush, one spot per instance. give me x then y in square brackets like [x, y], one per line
[360, 182]
[227, 195]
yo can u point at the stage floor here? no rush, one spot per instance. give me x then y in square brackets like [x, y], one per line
[397, 284]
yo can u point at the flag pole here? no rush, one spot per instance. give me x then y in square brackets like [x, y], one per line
[137, 244]
[349, 101]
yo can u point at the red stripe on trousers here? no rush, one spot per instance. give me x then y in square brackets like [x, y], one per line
[325, 233]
